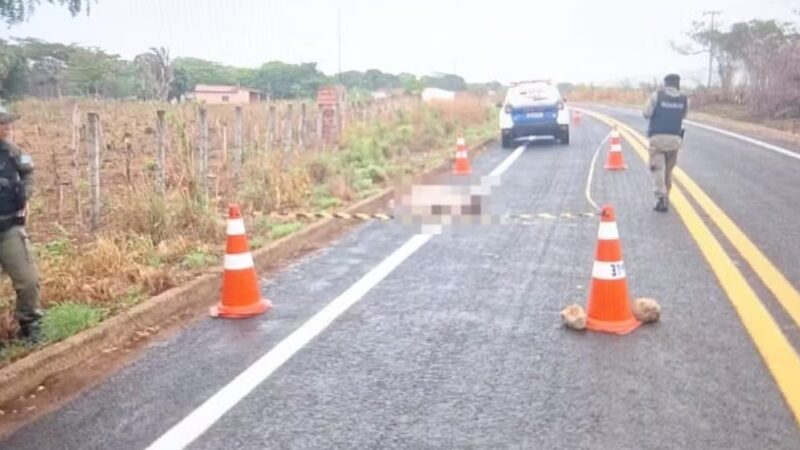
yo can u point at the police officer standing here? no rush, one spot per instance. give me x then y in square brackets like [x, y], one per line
[666, 110]
[16, 256]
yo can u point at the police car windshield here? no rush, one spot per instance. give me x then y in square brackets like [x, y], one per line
[532, 93]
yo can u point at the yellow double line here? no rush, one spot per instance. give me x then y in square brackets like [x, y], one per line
[777, 352]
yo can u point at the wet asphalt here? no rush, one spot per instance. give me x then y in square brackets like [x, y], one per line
[461, 346]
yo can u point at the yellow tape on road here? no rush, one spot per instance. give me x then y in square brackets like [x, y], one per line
[777, 352]
[387, 217]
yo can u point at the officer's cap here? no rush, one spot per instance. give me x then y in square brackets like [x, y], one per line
[6, 116]
[672, 79]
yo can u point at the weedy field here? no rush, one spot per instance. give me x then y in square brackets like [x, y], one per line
[146, 240]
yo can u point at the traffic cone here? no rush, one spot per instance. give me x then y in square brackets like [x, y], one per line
[576, 117]
[241, 297]
[614, 160]
[462, 165]
[609, 308]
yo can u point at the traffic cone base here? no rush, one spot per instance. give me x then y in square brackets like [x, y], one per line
[615, 327]
[462, 169]
[241, 312]
[615, 162]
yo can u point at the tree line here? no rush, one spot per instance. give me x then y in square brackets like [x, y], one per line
[33, 67]
[757, 64]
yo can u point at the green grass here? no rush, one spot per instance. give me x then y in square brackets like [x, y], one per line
[258, 241]
[280, 230]
[198, 258]
[65, 319]
[133, 296]
[55, 250]
[322, 199]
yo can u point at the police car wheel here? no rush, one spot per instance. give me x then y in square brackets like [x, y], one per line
[507, 142]
[563, 137]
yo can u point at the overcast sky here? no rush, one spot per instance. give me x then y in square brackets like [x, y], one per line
[567, 40]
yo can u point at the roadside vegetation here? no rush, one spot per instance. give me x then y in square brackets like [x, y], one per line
[756, 74]
[149, 243]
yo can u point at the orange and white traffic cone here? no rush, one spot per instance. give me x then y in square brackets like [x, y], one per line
[241, 297]
[614, 160]
[609, 308]
[462, 165]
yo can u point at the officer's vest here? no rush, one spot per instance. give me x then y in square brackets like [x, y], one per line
[667, 115]
[12, 191]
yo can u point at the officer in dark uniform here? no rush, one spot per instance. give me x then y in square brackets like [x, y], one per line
[16, 255]
[666, 110]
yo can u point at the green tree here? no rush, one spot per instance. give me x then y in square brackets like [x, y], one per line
[410, 83]
[15, 11]
[93, 72]
[13, 71]
[281, 80]
[189, 72]
[48, 65]
[449, 82]
[155, 70]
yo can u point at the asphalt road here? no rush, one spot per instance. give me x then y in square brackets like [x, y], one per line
[460, 346]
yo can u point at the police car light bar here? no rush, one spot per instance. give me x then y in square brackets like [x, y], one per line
[517, 83]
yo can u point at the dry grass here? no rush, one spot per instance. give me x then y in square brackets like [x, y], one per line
[610, 95]
[148, 243]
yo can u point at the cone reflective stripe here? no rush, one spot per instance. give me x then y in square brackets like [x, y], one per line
[241, 297]
[609, 308]
[239, 262]
[462, 165]
[614, 160]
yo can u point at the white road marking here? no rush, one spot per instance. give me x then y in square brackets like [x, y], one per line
[206, 415]
[202, 418]
[499, 170]
[749, 140]
[588, 191]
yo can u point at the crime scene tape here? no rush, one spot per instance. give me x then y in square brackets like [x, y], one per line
[387, 217]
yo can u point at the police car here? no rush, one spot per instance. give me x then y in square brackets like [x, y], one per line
[533, 108]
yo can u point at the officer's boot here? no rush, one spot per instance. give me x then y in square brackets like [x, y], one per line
[30, 332]
[661, 205]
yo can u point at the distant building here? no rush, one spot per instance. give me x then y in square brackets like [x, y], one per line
[436, 94]
[220, 95]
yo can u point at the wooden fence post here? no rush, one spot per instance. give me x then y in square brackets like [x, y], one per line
[93, 139]
[237, 136]
[202, 157]
[271, 125]
[301, 132]
[76, 161]
[289, 127]
[161, 153]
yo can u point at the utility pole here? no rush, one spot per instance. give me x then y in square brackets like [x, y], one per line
[339, 42]
[711, 30]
